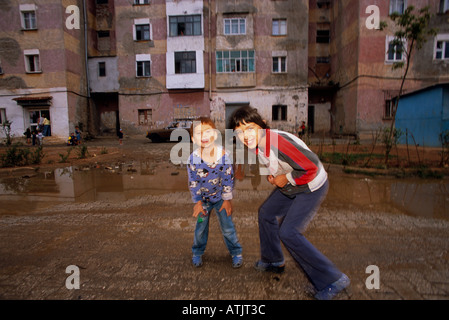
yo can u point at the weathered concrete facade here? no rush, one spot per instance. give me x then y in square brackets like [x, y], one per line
[150, 62]
[360, 65]
[279, 94]
[167, 92]
[321, 87]
[42, 64]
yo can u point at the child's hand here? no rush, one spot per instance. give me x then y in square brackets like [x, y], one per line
[227, 205]
[279, 181]
[198, 208]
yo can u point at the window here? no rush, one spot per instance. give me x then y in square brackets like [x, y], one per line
[28, 16]
[442, 47]
[279, 64]
[142, 32]
[279, 27]
[235, 61]
[1, 69]
[323, 4]
[143, 65]
[389, 105]
[185, 62]
[139, 2]
[185, 25]
[234, 26]
[32, 64]
[322, 60]
[2, 116]
[145, 116]
[102, 69]
[279, 113]
[395, 49]
[143, 69]
[103, 34]
[36, 116]
[29, 20]
[398, 6]
[322, 36]
[444, 6]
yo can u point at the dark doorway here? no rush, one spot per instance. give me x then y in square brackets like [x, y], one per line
[311, 119]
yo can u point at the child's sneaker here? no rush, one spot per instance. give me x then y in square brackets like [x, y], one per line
[270, 267]
[237, 261]
[333, 289]
[197, 261]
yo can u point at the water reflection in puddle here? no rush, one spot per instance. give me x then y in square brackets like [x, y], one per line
[31, 191]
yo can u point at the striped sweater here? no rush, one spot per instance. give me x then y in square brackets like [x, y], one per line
[289, 155]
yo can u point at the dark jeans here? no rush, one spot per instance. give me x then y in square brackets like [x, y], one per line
[284, 219]
[47, 131]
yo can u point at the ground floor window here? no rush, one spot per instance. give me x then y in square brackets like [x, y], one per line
[389, 105]
[2, 116]
[145, 116]
[279, 112]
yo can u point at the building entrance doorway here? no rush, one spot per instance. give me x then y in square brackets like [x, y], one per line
[35, 120]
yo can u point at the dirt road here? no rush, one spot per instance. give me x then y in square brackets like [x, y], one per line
[138, 247]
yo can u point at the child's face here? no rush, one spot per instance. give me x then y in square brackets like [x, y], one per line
[250, 134]
[204, 135]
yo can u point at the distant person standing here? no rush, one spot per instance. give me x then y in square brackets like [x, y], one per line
[302, 130]
[27, 134]
[78, 135]
[47, 130]
[120, 136]
[40, 138]
[33, 137]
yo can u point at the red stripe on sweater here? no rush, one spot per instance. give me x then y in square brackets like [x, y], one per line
[287, 148]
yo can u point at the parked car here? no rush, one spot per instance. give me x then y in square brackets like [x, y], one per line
[160, 135]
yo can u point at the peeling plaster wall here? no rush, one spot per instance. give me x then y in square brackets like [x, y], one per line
[59, 110]
[262, 89]
[295, 100]
[164, 108]
[61, 61]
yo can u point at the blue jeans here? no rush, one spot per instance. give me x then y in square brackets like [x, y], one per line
[284, 219]
[46, 131]
[227, 229]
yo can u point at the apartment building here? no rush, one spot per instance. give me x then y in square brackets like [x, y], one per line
[260, 59]
[42, 67]
[140, 64]
[185, 59]
[350, 65]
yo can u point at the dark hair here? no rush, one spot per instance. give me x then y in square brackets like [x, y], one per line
[245, 115]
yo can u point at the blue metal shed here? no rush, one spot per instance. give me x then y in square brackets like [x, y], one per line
[425, 114]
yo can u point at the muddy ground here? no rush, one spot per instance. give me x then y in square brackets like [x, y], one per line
[138, 247]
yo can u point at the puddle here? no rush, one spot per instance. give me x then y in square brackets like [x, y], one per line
[32, 191]
[428, 198]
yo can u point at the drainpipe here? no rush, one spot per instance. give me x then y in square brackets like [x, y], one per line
[89, 116]
[85, 48]
[210, 59]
